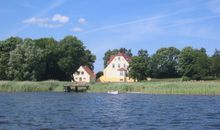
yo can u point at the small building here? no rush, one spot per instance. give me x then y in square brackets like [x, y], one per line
[84, 74]
[117, 69]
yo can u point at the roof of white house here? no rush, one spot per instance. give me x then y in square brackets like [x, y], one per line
[127, 58]
[89, 71]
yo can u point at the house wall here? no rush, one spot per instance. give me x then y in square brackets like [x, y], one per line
[111, 74]
[82, 74]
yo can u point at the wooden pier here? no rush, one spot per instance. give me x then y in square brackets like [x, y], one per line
[75, 87]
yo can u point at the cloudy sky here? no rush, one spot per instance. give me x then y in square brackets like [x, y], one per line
[108, 24]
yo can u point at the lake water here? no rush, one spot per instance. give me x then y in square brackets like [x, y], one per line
[21, 111]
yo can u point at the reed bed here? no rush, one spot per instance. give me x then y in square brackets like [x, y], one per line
[188, 88]
[30, 86]
[152, 87]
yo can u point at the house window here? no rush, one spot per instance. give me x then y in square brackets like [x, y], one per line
[121, 79]
[118, 58]
[124, 65]
[113, 65]
[84, 78]
[121, 73]
[118, 65]
[77, 73]
[76, 78]
[82, 72]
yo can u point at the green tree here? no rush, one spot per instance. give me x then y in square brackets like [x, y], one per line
[51, 55]
[194, 63]
[5, 48]
[138, 67]
[216, 63]
[72, 55]
[164, 63]
[89, 59]
[114, 52]
[26, 62]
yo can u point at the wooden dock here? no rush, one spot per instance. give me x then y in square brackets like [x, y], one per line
[75, 87]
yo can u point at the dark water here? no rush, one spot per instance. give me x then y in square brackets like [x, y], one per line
[21, 111]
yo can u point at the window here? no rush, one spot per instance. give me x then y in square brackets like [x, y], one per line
[124, 65]
[121, 73]
[121, 79]
[77, 73]
[82, 72]
[118, 58]
[113, 65]
[118, 65]
[84, 78]
[76, 78]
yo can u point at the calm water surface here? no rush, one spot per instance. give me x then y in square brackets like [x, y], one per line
[21, 111]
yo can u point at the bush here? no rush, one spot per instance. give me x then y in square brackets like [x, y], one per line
[185, 78]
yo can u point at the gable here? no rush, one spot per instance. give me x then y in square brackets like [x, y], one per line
[88, 71]
[118, 62]
[122, 55]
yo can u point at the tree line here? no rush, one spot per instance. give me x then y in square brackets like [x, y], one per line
[188, 63]
[42, 59]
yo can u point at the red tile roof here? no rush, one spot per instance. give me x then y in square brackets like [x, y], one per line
[127, 58]
[89, 71]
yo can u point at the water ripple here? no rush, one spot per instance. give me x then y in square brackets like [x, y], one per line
[47, 111]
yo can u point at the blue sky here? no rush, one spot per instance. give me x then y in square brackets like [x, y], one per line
[109, 24]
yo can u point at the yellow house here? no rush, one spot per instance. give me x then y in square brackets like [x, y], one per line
[84, 74]
[117, 69]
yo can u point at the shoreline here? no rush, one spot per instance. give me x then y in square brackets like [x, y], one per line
[155, 87]
[173, 94]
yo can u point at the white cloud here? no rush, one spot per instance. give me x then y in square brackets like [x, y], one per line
[37, 21]
[82, 21]
[60, 18]
[77, 29]
[55, 4]
[56, 21]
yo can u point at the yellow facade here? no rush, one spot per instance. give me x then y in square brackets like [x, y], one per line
[116, 71]
[115, 79]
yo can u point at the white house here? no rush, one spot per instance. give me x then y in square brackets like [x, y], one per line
[84, 74]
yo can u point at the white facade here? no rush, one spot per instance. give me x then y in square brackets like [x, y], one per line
[83, 76]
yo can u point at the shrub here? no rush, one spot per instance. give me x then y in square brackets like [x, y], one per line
[185, 78]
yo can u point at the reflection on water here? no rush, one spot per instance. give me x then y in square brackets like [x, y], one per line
[103, 111]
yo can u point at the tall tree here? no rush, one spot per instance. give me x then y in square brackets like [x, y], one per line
[164, 63]
[72, 55]
[26, 62]
[138, 67]
[51, 54]
[216, 63]
[194, 63]
[115, 51]
[5, 48]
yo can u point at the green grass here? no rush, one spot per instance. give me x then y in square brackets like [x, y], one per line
[165, 87]
[30, 86]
